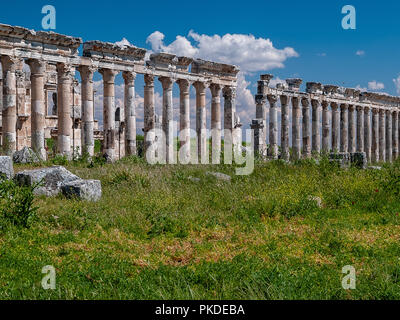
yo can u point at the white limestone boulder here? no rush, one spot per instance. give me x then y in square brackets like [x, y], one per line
[89, 190]
[25, 155]
[6, 168]
[219, 176]
[49, 179]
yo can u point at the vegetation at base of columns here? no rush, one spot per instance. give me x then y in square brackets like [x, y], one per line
[176, 232]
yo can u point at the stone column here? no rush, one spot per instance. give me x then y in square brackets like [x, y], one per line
[229, 94]
[10, 66]
[382, 135]
[201, 116]
[344, 126]
[259, 145]
[360, 129]
[335, 127]
[375, 135]
[38, 109]
[395, 133]
[130, 112]
[316, 136]
[109, 113]
[306, 128]
[261, 113]
[273, 126]
[367, 132]
[64, 104]
[296, 128]
[388, 138]
[167, 118]
[149, 120]
[87, 109]
[285, 127]
[352, 129]
[215, 123]
[184, 117]
[325, 127]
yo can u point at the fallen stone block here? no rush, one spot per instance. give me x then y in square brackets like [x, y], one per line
[374, 168]
[219, 176]
[6, 168]
[49, 179]
[341, 158]
[25, 155]
[89, 190]
[359, 159]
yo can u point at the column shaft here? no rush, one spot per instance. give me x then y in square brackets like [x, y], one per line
[367, 133]
[273, 126]
[344, 126]
[306, 128]
[389, 142]
[316, 118]
[130, 112]
[215, 123]
[229, 94]
[352, 129]
[395, 134]
[335, 127]
[149, 120]
[325, 127]
[201, 116]
[360, 129]
[382, 136]
[285, 128]
[375, 135]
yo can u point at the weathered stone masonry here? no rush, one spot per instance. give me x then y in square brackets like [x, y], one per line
[352, 121]
[53, 60]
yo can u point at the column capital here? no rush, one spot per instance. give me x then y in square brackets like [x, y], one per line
[344, 106]
[334, 105]
[11, 63]
[389, 111]
[166, 82]
[352, 107]
[200, 87]
[295, 101]
[367, 108]
[184, 85]
[65, 72]
[260, 99]
[129, 77]
[375, 110]
[229, 92]
[37, 66]
[315, 103]
[324, 104]
[360, 108]
[272, 99]
[382, 111]
[86, 72]
[305, 102]
[284, 100]
[215, 89]
[149, 80]
[108, 74]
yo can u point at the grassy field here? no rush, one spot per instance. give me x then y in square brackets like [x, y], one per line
[159, 234]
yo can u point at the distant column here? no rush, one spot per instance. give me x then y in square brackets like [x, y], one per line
[360, 129]
[316, 119]
[335, 127]
[285, 127]
[375, 135]
[109, 113]
[229, 94]
[273, 126]
[130, 112]
[87, 136]
[352, 129]
[382, 136]
[149, 112]
[395, 133]
[201, 124]
[10, 66]
[325, 126]
[261, 113]
[296, 128]
[306, 128]
[344, 126]
[64, 102]
[389, 142]
[38, 110]
[215, 123]
[367, 132]
[184, 117]
[167, 117]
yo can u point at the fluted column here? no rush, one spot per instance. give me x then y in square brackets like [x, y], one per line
[64, 104]
[316, 136]
[109, 113]
[285, 127]
[375, 135]
[395, 133]
[273, 126]
[149, 121]
[352, 129]
[130, 112]
[306, 128]
[382, 135]
[296, 128]
[38, 109]
[215, 123]
[10, 66]
[389, 142]
[87, 134]
[201, 116]
[367, 132]
[229, 94]
[344, 127]
[335, 127]
[360, 129]
[325, 127]
[167, 117]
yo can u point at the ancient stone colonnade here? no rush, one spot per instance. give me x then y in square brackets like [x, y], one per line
[41, 49]
[325, 118]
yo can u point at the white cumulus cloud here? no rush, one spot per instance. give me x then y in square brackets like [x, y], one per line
[374, 85]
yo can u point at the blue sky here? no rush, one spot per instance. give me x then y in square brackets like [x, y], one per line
[325, 51]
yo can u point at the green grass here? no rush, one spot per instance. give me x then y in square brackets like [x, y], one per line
[156, 234]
